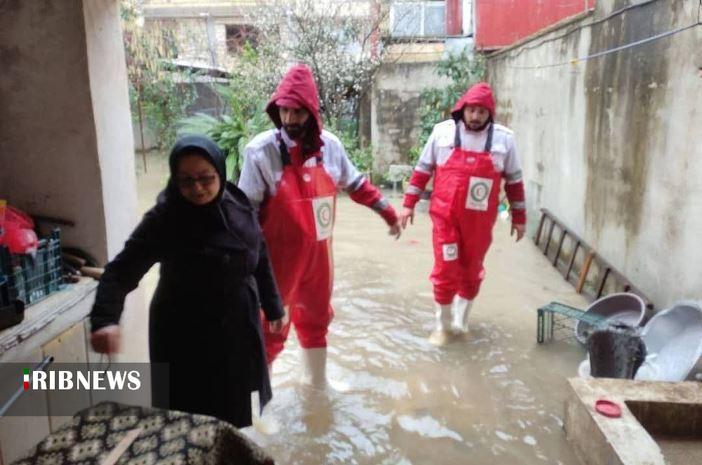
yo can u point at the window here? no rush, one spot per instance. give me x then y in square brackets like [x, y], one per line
[408, 18]
[238, 35]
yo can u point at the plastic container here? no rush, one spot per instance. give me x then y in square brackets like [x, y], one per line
[17, 230]
[620, 308]
[673, 339]
[584, 369]
[11, 311]
[616, 351]
[32, 278]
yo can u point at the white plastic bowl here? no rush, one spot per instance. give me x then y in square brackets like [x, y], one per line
[584, 369]
[673, 341]
[622, 307]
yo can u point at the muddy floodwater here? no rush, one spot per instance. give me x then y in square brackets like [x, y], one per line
[494, 397]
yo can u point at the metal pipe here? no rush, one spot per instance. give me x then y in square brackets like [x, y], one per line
[20, 391]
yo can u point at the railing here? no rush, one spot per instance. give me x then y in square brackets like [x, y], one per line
[578, 267]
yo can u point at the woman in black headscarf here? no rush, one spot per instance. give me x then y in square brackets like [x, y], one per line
[215, 276]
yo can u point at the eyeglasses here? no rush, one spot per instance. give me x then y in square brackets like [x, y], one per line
[204, 181]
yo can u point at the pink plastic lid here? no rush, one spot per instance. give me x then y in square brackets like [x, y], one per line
[608, 408]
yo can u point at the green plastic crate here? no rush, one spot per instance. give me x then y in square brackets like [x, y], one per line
[31, 279]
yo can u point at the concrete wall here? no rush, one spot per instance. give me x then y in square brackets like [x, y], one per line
[112, 121]
[49, 154]
[394, 109]
[65, 138]
[66, 145]
[611, 144]
[115, 148]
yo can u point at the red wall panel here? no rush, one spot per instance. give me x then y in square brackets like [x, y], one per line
[454, 17]
[500, 23]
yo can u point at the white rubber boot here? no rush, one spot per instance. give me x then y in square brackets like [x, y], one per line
[314, 362]
[442, 332]
[461, 310]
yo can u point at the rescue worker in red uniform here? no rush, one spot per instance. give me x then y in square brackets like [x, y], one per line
[469, 156]
[293, 173]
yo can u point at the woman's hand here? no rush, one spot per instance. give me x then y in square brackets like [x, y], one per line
[106, 340]
[276, 326]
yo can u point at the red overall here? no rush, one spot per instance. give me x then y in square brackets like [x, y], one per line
[463, 210]
[297, 224]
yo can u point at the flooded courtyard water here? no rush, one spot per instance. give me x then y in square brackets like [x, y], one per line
[494, 397]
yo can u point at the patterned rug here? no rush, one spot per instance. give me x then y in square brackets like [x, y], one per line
[165, 438]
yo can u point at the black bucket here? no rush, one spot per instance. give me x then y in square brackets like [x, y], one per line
[616, 351]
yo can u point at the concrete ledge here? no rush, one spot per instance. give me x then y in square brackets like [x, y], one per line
[599, 440]
[46, 319]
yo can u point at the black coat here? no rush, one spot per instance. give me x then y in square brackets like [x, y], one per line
[204, 318]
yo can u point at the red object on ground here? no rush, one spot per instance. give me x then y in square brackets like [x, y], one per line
[18, 232]
[608, 408]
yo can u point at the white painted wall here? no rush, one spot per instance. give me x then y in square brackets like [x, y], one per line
[611, 145]
[115, 148]
[112, 119]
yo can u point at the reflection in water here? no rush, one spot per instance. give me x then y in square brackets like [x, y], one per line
[393, 398]
[427, 427]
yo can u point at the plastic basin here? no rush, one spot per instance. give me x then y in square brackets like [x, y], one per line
[624, 308]
[673, 339]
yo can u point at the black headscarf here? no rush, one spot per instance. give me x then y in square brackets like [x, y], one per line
[200, 145]
[210, 225]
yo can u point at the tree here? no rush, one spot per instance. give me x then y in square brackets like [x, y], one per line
[159, 95]
[463, 69]
[245, 117]
[337, 39]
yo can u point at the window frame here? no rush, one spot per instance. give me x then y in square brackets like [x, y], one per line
[422, 18]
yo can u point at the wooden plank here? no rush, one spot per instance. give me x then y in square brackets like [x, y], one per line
[541, 227]
[584, 271]
[548, 240]
[601, 287]
[572, 260]
[581, 278]
[560, 246]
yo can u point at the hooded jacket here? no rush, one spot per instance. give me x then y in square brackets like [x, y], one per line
[478, 95]
[262, 158]
[440, 145]
[297, 89]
